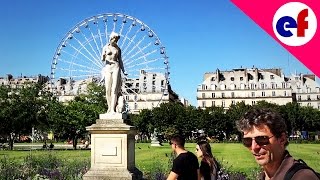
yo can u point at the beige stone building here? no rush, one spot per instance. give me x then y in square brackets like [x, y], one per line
[21, 81]
[223, 88]
[147, 91]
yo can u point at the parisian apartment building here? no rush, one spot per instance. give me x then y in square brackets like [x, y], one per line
[21, 81]
[224, 88]
[147, 91]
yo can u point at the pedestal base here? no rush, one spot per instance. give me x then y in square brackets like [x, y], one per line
[113, 174]
[155, 143]
[113, 116]
[112, 150]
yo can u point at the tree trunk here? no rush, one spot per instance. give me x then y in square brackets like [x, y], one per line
[75, 142]
[10, 143]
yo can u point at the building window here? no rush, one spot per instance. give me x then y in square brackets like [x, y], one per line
[252, 86]
[203, 95]
[241, 78]
[285, 93]
[308, 90]
[318, 105]
[223, 104]
[263, 94]
[253, 94]
[213, 79]
[232, 94]
[242, 86]
[309, 104]
[308, 97]
[284, 85]
[273, 93]
[263, 86]
[127, 98]
[273, 85]
[135, 97]
[232, 86]
[232, 78]
[298, 90]
[299, 98]
[135, 106]
[253, 103]
[222, 87]
[271, 76]
[203, 104]
[233, 102]
[222, 95]
[213, 103]
[213, 95]
[318, 97]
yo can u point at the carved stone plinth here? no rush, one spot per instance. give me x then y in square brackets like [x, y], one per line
[112, 151]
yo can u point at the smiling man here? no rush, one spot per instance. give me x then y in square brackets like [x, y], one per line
[264, 134]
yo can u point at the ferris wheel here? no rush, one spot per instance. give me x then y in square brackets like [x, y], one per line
[78, 55]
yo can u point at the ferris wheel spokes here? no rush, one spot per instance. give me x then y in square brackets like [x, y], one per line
[78, 55]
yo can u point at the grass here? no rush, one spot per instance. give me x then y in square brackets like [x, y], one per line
[233, 155]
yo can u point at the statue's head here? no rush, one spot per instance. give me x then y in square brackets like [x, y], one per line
[114, 36]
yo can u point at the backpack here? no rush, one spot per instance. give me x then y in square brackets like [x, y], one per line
[300, 164]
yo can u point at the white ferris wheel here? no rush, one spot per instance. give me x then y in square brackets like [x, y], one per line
[78, 55]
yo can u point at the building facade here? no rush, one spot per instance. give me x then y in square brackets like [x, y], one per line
[224, 88]
[147, 91]
[21, 81]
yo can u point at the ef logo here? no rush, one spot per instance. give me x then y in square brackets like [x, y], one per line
[294, 24]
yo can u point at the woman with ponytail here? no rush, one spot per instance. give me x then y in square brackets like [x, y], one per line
[208, 166]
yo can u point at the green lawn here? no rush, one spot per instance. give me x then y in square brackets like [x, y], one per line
[234, 156]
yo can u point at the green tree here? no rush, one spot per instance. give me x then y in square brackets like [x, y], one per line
[169, 115]
[143, 122]
[20, 110]
[71, 119]
[290, 113]
[235, 112]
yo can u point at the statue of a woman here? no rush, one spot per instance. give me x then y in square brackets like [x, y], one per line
[111, 54]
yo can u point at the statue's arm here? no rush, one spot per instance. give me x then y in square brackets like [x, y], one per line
[120, 62]
[103, 54]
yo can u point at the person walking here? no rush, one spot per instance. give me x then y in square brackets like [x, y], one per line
[208, 166]
[185, 165]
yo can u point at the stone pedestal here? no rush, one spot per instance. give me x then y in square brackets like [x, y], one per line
[112, 150]
[155, 142]
[154, 138]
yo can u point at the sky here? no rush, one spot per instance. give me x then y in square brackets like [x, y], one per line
[199, 36]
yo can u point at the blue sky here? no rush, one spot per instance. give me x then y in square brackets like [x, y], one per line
[199, 36]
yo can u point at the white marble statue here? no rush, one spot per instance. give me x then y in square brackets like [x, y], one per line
[111, 55]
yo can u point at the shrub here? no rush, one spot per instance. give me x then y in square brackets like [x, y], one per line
[47, 166]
